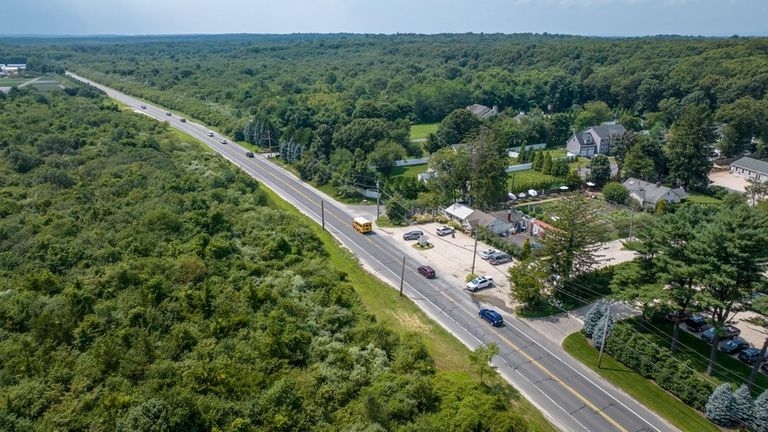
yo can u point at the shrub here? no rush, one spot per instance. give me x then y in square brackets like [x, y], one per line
[422, 218]
[592, 317]
[743, 404]
[655, 362]
[602, 329]
[720, 406]
[616, 192]
[759, 421]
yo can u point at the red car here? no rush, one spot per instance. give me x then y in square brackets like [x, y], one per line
[426, 271]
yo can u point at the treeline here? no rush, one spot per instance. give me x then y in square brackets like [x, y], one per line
[145, 285]
[304, 81]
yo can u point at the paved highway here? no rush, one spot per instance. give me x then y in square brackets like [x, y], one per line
[573, 397]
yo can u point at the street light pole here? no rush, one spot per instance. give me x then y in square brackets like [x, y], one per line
[378, 195]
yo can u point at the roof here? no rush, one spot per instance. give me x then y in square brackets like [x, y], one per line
[651, 192]
[481, 218]
[751, 164]
[459, 211]
[606, 130]
[482, 111]
[510, 215]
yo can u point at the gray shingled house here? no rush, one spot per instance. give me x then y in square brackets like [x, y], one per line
[594, 140]
[649, 194]
[751, 168]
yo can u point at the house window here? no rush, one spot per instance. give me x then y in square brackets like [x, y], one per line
[587, 138]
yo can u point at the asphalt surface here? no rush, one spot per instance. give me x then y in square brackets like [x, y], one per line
[571, 396]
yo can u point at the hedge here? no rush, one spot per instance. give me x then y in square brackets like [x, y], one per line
[654, 362]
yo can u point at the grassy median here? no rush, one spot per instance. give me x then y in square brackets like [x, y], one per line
[643, 390]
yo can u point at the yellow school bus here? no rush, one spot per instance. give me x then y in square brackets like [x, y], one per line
[362, 225]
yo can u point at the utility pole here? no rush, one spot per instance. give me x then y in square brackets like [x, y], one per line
[402, 276]
[322, 213]
[378, 196]
[474, 251]
[605, 336]
[631, 223]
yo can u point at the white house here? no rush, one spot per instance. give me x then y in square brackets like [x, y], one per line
[594, 140]
[458, 212]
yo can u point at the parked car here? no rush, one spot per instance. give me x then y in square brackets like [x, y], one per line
[751, 355]
[696, 323]
[223, 141]
[249, 154]
[494, 318]
[444, 231]
[499, 258]
[764, 367]
[487, 253]
[426, 271]
[479, 283]
[676, 316]
[143, 107]
[729, 332]
[413, 235]
[183, 120]
[733, 346]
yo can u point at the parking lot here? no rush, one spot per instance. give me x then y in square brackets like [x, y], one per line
[452, 257]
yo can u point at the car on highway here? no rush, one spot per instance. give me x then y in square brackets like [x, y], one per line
[183, 120]
[751, 355]
[413, 235]
[143, 107]
[733, 346]
[494, 318]
[487, 253]
[223, 141]
[480, 282]
[249, 154]
[499, 258]
[444, 231]
[426, 271]
[210, 133]
[696, 324]
[168, 113]
[729, 332]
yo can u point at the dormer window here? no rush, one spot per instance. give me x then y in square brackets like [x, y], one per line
[587, 138]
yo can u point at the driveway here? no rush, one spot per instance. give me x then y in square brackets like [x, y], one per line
[451, 257]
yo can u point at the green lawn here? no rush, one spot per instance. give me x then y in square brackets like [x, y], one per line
[645, 391]
[529, 176]
[702, 199]
[409, 171]
[420, 131]
[12, 82]
[696, 351]
[402, 316]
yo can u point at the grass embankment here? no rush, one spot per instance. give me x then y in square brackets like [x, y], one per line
[13, 82]
[703, 199]
[402, 316]
[422, 131]
[643, 390]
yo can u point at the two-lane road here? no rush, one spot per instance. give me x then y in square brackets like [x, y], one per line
[573, 397]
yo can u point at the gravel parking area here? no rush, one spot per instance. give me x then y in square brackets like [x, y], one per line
[451, 257]
[728, 180]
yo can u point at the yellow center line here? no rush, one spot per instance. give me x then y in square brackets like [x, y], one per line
[501, 336]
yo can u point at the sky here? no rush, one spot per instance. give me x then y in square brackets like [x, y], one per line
[581, 17]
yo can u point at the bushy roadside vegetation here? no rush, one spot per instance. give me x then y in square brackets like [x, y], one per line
[147, 285]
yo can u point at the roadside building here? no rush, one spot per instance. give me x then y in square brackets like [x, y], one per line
[458, 212]
[491, 223]
[750, 168]
[649, 194]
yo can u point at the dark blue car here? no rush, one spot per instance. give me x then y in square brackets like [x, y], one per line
[494, 318]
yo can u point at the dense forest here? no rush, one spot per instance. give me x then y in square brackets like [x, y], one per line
[300, 82]
[147, 285]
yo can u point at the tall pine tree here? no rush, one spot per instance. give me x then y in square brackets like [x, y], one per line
[720, 406]
[690, 146]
